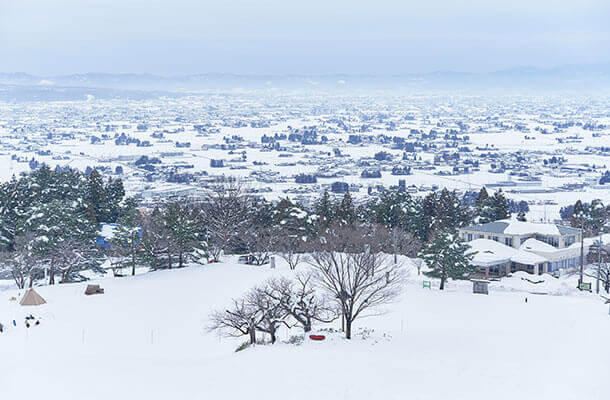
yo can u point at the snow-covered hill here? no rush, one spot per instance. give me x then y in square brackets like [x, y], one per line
[146, 338]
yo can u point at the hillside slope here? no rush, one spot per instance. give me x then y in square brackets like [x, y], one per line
[146, 338]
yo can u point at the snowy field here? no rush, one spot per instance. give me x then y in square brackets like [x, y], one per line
[146, 338]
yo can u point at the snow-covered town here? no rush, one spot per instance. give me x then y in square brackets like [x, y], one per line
[326, 200]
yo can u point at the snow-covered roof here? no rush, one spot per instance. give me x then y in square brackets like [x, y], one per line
[490, 252]
[532, 244]
[528, 258]
[513, 227]
[107, 230]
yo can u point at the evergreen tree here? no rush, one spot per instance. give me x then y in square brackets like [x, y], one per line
[126, 240]
[494, 208]
[115, 192]
[482, 197]
[447, 256]
[346, 213]
[501, 205]
[95, 197]
[182, 231]
[63, 237]
[325, 210]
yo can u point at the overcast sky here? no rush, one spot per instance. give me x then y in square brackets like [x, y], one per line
[305, 36]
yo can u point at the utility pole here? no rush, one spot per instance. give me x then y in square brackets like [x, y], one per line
[582, 251]
[599, 262]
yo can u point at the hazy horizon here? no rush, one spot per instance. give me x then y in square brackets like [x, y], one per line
[275, 37]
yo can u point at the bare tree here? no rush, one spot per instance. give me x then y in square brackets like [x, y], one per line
[258, 242]
[22, 263]
[403, 243]
[349, 265]
[289, 248]
[226, 216]
[270, 313]
[299, 299]
[74, 256]
[241, 319]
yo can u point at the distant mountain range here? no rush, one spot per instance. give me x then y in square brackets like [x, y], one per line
[22, 86]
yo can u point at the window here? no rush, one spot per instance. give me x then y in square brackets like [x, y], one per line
[495, 238]
[470, 237]
[553, 241]
[570, 240]
[508, 241]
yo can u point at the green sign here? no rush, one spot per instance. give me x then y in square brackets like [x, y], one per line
[427, 284]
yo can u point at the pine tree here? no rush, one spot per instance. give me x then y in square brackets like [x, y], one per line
[115, 192]
[63, 237]
[125, 243]
[181, 225]
[155, 242]
[346, 212]
[501, 205]
[446, 255]
[95, 197]
[482, 197]
[325, 210]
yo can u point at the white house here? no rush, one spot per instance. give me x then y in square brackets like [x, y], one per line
[507, 246]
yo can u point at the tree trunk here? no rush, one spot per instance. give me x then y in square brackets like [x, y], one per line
[272, 334]
[52, 273]
[133, 262]
[169, 258]
[252, 333]
[348, 328]
[180, 260]
[442, 287]
[307, 326]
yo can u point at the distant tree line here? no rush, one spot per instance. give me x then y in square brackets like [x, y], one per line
[49, 222]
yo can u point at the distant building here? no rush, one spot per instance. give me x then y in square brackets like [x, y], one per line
[217, 163]
[305, 178]
[339, 187]
[371, 173]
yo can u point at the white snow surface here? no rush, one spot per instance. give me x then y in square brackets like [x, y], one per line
[146, 338]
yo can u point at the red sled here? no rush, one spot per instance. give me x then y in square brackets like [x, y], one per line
[317, 337]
